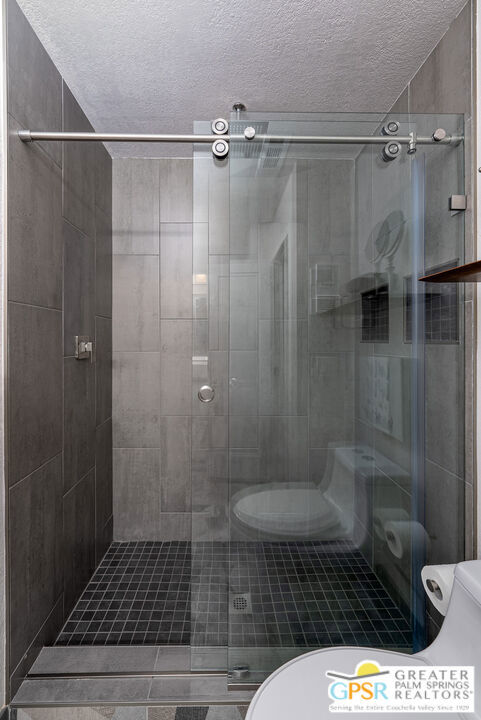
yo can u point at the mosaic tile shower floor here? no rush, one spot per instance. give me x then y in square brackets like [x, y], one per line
[286, 594]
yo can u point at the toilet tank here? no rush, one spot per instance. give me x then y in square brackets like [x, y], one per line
[346, 484]
[339, 483]
[459, 640]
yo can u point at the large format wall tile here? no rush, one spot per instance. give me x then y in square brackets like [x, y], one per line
[209, 432]
[443, 83]
[78, 169]
[243, 312]
[283, 449]
[103, 263]
[331, 402]
[444, 513]
[175, 452]
[135, 211]
[444, 388]
[283, 367]
[35, 560]
[219, 291]
[444, 235]
[175, 367]
[329, 219]
[210, 481]
[136, 303]
[34, 386]
[136, 400]
[46, 635]
[175, 190]
[103, 482]
[244, 383]
[34, 83]
[200, 271]
[103, 539]
[79, 420]
[103, 179]
[34, 225]
[136, 494]
[79, 286]
[176, 526]
[219, 204]
[79, 538]
[103, 369]
[59, 258]
[243, 432]
[176, 270]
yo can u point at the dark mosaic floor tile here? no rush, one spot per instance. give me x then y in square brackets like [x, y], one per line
[301, 594]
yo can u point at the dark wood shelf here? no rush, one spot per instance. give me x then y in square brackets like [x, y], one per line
[471, 272]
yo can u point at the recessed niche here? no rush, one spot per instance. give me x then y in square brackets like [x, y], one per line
[441, 311]
[375, 315]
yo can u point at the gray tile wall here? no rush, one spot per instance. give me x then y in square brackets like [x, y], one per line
[59, 442]
[443, 84]
[173, 284]
[152, 348]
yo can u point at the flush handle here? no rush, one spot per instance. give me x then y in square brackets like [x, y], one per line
[206, 394]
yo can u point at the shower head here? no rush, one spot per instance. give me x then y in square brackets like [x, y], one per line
[269, 154]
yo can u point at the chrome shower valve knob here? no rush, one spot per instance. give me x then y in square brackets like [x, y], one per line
[206, 394]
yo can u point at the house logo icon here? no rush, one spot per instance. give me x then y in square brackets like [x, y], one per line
[367, 683]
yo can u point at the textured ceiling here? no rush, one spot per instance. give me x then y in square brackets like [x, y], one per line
[158, 65]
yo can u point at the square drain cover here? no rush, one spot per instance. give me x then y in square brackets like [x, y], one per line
[240, 604]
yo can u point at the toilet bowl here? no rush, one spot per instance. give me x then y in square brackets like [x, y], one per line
[323, 511]
[290, 510]
[300, 687]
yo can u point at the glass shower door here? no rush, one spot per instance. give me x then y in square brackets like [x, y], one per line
[327, 329]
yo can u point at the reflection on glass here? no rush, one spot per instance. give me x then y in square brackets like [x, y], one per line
[325, 456]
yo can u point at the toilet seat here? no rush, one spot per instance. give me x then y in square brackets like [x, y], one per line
[299, 689]
[299, 510]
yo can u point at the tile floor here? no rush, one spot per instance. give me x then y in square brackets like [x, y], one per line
[205, 712]
[287, 594]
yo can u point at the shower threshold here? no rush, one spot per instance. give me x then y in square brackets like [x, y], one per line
[132, 661]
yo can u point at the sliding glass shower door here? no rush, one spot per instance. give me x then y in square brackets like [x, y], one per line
[313, 457]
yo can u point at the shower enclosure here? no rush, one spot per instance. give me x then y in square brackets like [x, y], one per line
[276, 484]
[310, 407]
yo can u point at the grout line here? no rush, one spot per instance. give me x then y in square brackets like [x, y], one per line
[37, 307]
[40, 467]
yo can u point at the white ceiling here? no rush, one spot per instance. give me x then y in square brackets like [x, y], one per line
[158, 65]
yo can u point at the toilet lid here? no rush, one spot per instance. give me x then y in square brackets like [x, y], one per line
[286, 509]
[299, 689]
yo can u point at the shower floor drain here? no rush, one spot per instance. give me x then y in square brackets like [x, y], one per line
[240, 604]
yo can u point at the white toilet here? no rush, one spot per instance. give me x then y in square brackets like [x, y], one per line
[308, 510]
[299, 689]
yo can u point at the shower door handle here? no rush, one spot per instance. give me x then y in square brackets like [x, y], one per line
[206, 394]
